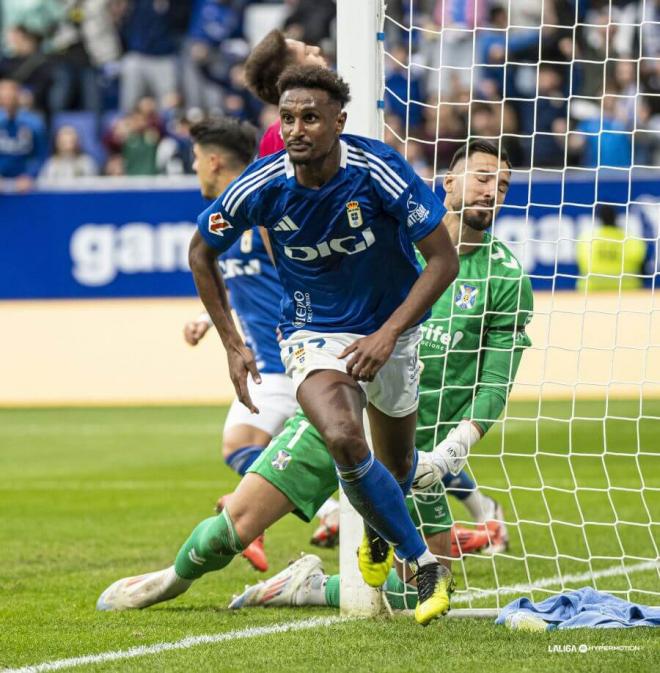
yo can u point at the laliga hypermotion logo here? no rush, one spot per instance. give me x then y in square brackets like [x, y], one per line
[218, 224]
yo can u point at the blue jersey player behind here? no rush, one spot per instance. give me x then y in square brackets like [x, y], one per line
[342, 214]
[222, 149]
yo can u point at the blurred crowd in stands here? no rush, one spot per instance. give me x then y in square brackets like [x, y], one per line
[564, 83]
[111, 87]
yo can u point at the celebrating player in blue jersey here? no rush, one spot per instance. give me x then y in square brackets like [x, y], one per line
[342, 213]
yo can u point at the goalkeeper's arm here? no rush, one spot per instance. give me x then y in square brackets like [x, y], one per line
[500, 359]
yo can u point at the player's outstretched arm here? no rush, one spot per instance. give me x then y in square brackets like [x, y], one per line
[370, 353]
[212, 291]
[500, 356]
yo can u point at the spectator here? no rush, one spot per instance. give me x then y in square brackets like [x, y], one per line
[496, 45]
[68, 161]
[650, 64]
[647, 132]
[238, 100]
[85, 42]
[485, 122]
[39, 17]
[174, 154]
[114, 166]
[212, 23]
[549, 120]
[603, 140]
[28, 65]
[414, 154]
[140, 145]
[150, 63]
[310, 20]
[607, 258]
[23, 143]
[448, 47]
[135, 137]
[444, 130]
[404, 89]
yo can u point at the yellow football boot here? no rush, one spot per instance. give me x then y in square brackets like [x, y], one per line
[375, 558]
[435, 585]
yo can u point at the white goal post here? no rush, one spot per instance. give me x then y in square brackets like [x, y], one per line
[575, 457]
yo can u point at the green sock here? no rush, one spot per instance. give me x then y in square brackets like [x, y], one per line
[332, 591]
[400, 596]
[211, 546]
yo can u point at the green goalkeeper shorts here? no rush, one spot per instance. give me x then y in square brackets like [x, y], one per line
[298, 464]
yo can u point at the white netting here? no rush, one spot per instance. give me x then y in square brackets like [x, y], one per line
[571, 90]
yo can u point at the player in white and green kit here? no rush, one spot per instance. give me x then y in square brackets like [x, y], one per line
[471, 347]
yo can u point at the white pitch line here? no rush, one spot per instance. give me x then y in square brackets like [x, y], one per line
[612, 571]
[186, 643]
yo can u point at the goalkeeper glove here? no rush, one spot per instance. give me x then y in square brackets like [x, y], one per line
[449, 456]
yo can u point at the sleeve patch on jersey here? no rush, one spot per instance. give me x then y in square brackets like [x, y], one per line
[417, 212]
[218, 224]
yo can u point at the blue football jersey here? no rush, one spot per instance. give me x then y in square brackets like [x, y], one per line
[344, 252]
[255, 294]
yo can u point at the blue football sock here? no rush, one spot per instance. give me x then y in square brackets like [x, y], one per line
[460, 485]
[406, 484]
[377, 496]
[240, 460]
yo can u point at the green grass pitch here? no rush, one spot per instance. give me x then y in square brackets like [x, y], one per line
[91, 495]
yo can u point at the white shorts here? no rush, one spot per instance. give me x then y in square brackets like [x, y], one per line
[275, 397]
[394, 390]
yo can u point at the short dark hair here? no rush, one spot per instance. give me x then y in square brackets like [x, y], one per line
[265, 64]
[315, 77]
[237, 138]
[484, 146]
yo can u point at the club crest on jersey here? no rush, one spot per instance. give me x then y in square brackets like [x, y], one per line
[354, 214]
[281, 460]
[466, 297]
[218, 224]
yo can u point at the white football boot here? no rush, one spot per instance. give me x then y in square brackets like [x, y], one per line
[282, 589]
[141, 591]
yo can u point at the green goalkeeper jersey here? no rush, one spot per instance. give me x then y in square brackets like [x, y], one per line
[472, 343]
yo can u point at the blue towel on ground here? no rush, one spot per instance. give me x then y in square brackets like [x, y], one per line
[585, 607]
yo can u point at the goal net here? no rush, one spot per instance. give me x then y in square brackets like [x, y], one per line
[570, 91]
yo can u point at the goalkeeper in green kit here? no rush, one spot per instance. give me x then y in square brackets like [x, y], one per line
[471, 349]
